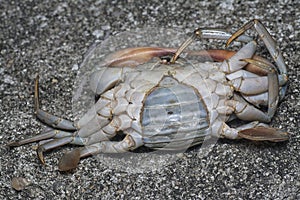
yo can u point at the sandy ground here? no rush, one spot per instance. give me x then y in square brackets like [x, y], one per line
[51, 38]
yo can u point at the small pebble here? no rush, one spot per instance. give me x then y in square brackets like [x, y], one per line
[19, 183]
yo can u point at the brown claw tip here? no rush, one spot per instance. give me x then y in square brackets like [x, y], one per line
[264, 134]
[39, 152]
[228, 42]
[69, 160]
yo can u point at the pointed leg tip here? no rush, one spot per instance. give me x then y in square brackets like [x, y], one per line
[227, 44]
[69, 160]
[13, 144]
[40, 151]
[264, 134]
[230, 40]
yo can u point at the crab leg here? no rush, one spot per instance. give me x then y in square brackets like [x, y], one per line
[219, 35]
[245, 111]
[70, 160]
[208, 34]
[254, 88]
[53, 133]
[254, 131]
[232, 60]
[49, 119]
[95, 130]
[273, 85]
[273, 88]
[251, 84]
[54, 121]
[99, 129]
[269, 42]
[96, 112]
[96, 134]
[261, 99]
[98, 116]
[51, 145]
[253, 70]
[267, 39]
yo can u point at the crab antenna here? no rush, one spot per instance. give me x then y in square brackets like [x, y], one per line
[185, 44]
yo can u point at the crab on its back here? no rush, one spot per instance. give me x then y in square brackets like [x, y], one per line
[174, 104]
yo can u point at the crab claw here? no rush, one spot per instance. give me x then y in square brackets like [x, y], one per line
[69, 160]
[261, 133]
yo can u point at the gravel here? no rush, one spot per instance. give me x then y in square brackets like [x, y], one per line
[52, 37]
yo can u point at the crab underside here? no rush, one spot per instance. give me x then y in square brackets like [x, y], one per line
[161, 100]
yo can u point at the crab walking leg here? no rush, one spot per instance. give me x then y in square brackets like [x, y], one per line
[252, 71]
[236, 62]
[77, 138]
[51, 145]
[273, 85]
[254, 131]
[260, 99]
[53, 133]
[121, 122]
[98, 110]
[103, 134]
[246, 74]
[252, 68]
[219, 35]
[100, 118]
[254, 88]
[105, 78]
[70, 160]
[247, 112]
[270, 44]
[98, 129]
[257, 85]
[49, 119]
[128, 143]
[251, 86]
[55, 121]
[267, 39]
[207, 34]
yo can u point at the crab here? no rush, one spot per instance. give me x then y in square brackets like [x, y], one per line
[160, 100]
